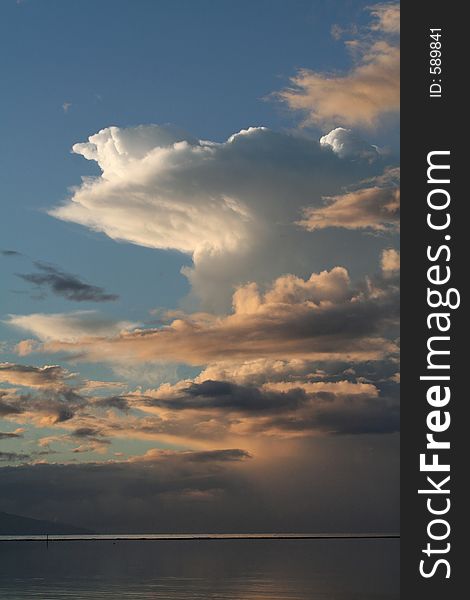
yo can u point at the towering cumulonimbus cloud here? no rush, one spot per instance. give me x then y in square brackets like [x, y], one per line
[282, 360]
[228, 205]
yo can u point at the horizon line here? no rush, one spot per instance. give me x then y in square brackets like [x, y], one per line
[194, 537]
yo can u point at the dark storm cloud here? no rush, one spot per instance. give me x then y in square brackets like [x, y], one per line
[207, 409]
[371, 417]
[231, 455]
[156, 481]
[30, 376]
[55, 407]
[66, 285]
[47, 407]
[118, 402]
[90, 439]
[84, 432]
[185, 492]
[353, 416]
[45, 394]
[230, 396]
[6, 408]
[300, 410]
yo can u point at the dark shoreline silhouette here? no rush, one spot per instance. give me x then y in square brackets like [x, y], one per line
[17, 525]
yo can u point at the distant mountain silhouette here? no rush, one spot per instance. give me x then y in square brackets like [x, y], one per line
[16, 525]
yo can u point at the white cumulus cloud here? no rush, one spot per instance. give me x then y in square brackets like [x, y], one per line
[227, 205]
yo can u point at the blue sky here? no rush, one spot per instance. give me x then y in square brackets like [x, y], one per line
[208, 67]
[71, 68]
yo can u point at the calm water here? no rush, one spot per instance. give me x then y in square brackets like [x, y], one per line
[219, 569]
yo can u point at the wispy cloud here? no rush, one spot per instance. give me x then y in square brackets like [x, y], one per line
[65, 284]
[70, 326]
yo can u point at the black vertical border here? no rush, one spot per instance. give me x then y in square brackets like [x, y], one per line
[429, 124]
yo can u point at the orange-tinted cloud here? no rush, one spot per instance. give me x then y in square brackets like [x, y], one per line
[370, 90]
[323, 318]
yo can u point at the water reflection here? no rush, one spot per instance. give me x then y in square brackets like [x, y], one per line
[201, 570]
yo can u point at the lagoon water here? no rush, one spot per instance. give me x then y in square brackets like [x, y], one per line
[194, 569]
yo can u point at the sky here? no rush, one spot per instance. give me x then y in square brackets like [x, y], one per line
[200, 263]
